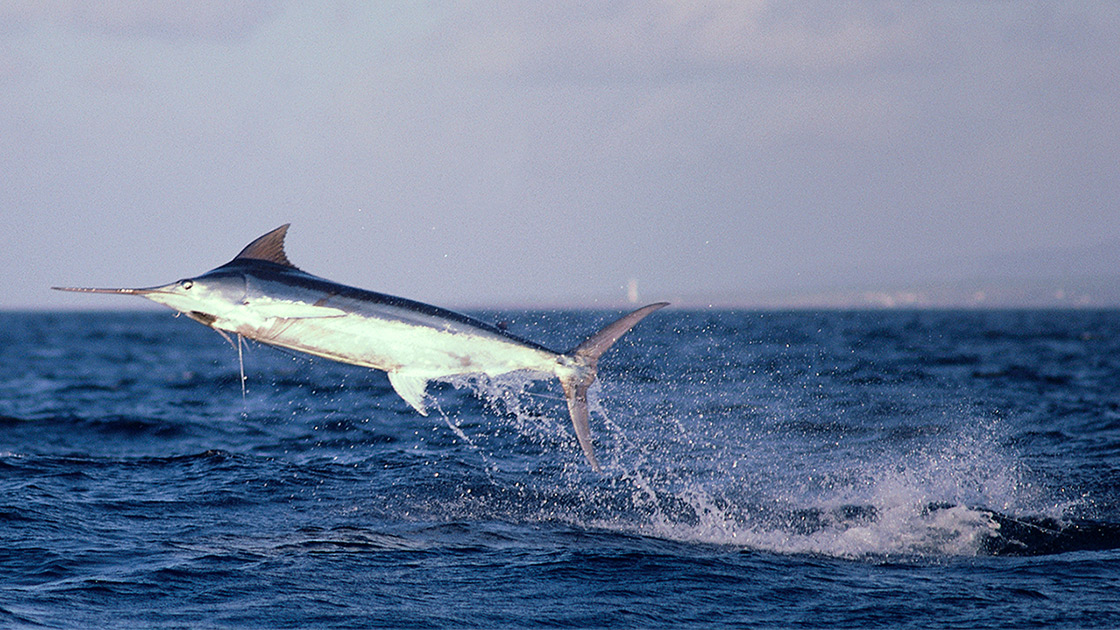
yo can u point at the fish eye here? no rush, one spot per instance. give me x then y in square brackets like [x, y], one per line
[186, 284]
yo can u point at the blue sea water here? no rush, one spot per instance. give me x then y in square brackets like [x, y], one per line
[920, 469]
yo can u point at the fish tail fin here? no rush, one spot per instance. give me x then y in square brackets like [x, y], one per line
[586, 358]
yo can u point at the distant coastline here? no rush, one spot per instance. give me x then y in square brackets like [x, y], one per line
[1095, 292]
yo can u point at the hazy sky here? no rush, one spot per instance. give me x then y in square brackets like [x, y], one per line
[468, 153]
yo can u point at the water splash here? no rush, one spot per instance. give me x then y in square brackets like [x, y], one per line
[677, 476]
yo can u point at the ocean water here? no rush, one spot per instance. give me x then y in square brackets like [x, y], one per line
[918, 469]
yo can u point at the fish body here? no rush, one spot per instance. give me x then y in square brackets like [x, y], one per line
[261, 295]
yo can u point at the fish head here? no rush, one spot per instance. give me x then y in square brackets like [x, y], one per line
[207, 298]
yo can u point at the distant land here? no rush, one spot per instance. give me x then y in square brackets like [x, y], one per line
[1073, 277]
[1092, 292]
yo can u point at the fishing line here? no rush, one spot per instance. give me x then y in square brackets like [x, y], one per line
[543, 396]
[489, 466]
[454, 427]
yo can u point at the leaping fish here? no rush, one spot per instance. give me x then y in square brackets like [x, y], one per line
[261, 295]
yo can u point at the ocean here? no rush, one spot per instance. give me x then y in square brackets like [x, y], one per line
[901, 469]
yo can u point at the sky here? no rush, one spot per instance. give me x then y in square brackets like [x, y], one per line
[549, 153]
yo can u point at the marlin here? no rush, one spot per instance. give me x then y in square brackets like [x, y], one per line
[261, 295]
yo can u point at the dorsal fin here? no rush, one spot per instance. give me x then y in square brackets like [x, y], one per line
[269, 247]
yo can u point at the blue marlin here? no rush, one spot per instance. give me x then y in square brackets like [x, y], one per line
[261, 295]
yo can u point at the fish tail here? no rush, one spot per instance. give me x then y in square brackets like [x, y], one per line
[586, 358]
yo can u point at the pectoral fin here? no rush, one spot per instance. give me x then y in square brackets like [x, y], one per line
[411, 389]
